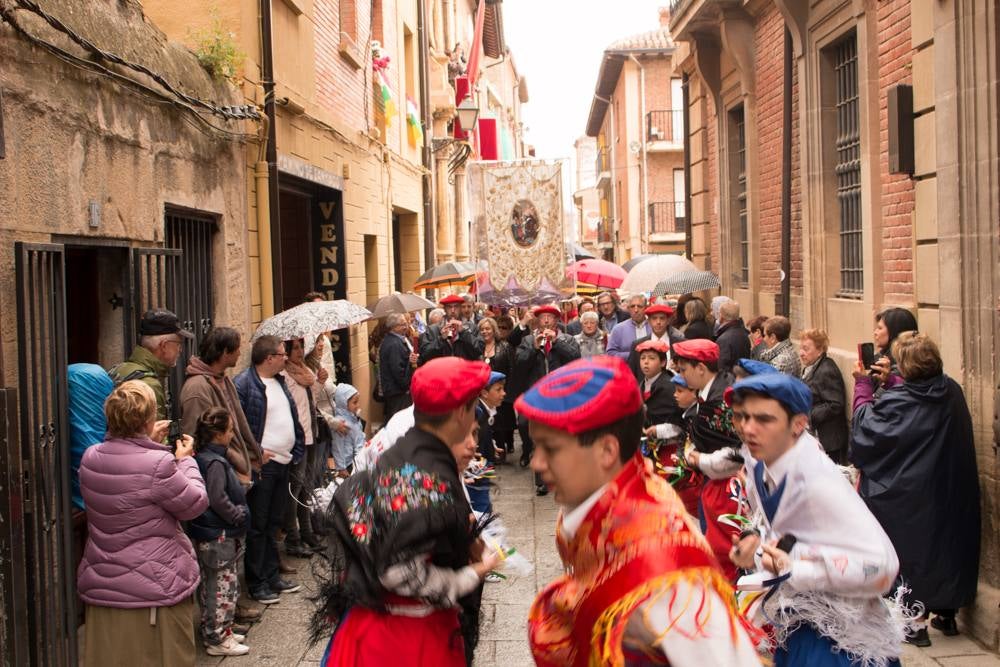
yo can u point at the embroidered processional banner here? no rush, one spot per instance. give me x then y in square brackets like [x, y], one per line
[517, 231]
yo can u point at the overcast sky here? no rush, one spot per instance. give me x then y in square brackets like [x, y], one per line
[557, 45]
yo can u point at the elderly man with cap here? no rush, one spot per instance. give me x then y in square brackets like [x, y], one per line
[642, 585]
[161, 341]
[711, 431]
[811, 542]
[404, 548]
[658, 316]
[541, 352]
[452, 337]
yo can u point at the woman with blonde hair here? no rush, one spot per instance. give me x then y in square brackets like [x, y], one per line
[139, 571]
[914, 447]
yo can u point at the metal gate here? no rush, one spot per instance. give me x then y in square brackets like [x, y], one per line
[44, 592]
[192, 233]
[153, 284]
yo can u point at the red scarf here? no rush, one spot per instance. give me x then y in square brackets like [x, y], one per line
[635, 541]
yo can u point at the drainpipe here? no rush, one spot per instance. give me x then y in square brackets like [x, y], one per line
[786, 180]
[427, 119]
[687, 165]
[611, 156]
[260, 174]
[644, 241]
[273, 229]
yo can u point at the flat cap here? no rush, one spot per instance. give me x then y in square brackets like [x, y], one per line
[495, 376]
[582, 396]
[787, 390]
[548, 308]
[447, 383]
[698, 349]
[661, 346]
[659, 309]
[754, 367]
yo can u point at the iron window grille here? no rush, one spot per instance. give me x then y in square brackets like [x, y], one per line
[848, 167]
[739, 179]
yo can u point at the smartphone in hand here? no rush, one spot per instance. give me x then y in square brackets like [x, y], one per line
[866, 355]
[174, 434]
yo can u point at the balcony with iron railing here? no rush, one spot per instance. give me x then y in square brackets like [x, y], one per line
[665, 129]
[688, 17]
[667, 217]
[602, 166]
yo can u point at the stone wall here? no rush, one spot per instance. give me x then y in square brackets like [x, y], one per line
[74, 137]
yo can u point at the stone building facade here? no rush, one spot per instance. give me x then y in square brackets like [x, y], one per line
[850, 164]
[636, 116]
[350, 219]
[117, 193]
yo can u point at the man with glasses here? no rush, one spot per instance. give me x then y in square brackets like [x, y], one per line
[161, 340]
[273, 419]
[611, 314]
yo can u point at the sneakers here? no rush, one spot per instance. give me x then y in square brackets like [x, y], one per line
[945, 624]
[264, 595]
[284, 586]
[246, 614]
[240, 629]
[238, 636]
[229, 646]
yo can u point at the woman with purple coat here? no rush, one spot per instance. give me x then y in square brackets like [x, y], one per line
[139, 570]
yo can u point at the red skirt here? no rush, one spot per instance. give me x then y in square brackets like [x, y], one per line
[716, 501]
[367, 638]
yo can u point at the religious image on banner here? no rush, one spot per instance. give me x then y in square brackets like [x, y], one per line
[517, 230]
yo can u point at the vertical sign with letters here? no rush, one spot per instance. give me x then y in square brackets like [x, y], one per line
[330, 266]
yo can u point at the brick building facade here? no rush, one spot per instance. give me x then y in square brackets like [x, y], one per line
[636, 117]
[867, 225]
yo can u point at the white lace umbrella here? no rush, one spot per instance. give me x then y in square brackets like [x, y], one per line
[645, 275]
[309, 320]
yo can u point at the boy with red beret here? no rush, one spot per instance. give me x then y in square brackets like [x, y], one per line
[642, 583]
[404, 549]
[712, 433]
[658, 316]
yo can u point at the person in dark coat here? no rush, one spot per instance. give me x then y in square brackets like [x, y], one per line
[395, 365]
[696, 316]
[541, 352]
[453, 337]
[732, 337]
[499, 354]
[888, 325]
[914, 447]
[828, 417]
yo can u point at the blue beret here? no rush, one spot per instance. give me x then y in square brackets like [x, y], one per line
[495, 376]
[785, 389]
[754, 367]
[679, 380]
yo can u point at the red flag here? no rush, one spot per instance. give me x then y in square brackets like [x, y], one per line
[472, 69]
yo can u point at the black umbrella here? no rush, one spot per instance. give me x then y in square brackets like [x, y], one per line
[578, 251]
[449, 274]
[629, 265]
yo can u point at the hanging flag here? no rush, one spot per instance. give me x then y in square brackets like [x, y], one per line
[388, 104]
[414, 131]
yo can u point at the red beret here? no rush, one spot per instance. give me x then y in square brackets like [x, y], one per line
[450, 299]
[447, 383]
[583, 395]
[659, 308]
[653, 345]
[549, 308]
[699, 349]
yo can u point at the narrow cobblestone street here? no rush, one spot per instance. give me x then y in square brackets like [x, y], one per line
[281, 637]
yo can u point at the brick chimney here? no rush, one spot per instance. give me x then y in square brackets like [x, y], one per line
[664, 17]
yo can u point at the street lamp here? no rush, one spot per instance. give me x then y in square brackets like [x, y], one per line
[468, 114]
